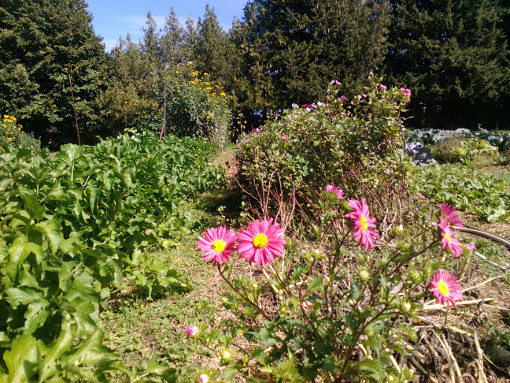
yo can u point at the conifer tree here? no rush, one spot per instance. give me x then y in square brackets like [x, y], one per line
[453, 55]
[47, 47]
[292, 49]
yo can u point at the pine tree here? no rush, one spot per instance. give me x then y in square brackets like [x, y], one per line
[49, 46]
[454, 57]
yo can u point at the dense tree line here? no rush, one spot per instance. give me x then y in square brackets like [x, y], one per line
[453, 55]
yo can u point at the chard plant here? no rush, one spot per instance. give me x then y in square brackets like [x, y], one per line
[341, 311]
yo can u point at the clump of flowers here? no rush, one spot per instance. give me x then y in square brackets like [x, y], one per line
[11, 133]
[334, 299]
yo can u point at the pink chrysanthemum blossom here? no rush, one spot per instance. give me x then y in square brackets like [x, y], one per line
[451, 215]
[363, 223]
[336, 82]
[421, 196]
[406, 92]
[447, 240]
[203, 379]
[262, 242]
[217, 244]
[384, 88]
[284, 138]
[191, 330]
[445, 288]
[332, 188]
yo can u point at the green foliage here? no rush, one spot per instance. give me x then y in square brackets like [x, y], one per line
[333, 312]
[463, 150]
[467, 189]
[354, 144]
[45, 45]
[291, 50]
[73, 227]
[197, 107]
[11, 133]
[454, 56]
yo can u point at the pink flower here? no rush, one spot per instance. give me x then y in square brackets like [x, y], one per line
[359, 96]
[248, 141]
[217, 244]
[447, 240]
[470, 246]
[343, 98]
[336, 82]
[445, 288]
[284, 138]
[421, 196]
[406, 92]
[332, 188]
[203, 378]
[262, 242]
[363, 223]
[191, 330]
[451, 215]
[383, 87]
[257, 130]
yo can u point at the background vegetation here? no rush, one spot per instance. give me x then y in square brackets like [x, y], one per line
[453, 55]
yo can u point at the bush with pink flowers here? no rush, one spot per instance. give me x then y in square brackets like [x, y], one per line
[354, 143]
[340, 311]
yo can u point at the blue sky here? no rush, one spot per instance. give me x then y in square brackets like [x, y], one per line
[117, 18]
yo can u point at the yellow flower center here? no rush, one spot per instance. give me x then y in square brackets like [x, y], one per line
[219, 245]
[443, 288]
[363, 221]
[448, 238]
[260, 241]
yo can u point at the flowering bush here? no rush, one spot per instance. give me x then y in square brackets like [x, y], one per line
[356, 144]
[196, 107]
[338, 312]
[11, 133]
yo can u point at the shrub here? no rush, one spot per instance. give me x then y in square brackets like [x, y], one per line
[197, 107]
[337, 312]
[11, 133]
[356, 144]
[457, 149]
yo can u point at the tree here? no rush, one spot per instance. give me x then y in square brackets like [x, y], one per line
[454, 57]
[172, 41]
[49, 46]
[291, 49]
[212, 49]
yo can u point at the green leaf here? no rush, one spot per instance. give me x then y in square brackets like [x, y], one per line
[49, 229]
[50, 355]
[315, 284]
[21, 359]
[90, 352]
[32, 206]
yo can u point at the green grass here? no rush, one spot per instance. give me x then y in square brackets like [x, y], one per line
[141, 330]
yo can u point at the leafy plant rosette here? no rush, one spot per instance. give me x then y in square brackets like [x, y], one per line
[337, 312]
[356, 143]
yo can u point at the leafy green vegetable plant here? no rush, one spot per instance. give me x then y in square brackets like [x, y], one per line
[73, 228]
